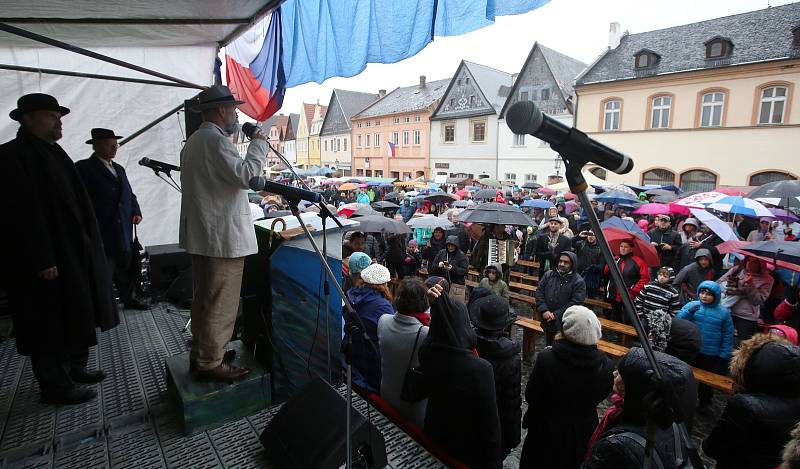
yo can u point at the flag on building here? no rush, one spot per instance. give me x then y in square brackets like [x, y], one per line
[253, 68]
[392, 149]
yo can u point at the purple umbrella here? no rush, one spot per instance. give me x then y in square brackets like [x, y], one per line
[783, 215]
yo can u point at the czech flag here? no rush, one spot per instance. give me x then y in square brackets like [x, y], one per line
[392, 149]
[254, 70]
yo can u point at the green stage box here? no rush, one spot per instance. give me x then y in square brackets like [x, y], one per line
[207, 405]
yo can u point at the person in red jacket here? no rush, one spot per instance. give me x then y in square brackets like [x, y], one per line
[634, 274]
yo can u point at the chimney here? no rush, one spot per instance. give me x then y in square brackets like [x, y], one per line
[381, 93]
[422, 81]
[614, 35]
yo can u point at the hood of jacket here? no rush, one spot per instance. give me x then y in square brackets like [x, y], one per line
[577, 355]
[497, 347]
[450, 326]
[714, 287]
[572, 257]
[767, 364]
[363, 296]
[703, 252]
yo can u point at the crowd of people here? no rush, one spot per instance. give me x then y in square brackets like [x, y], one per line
[698, 307]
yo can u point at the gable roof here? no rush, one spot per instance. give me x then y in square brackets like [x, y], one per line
[353, 102]
[757, 36]
[407, 99]
[267, 124]
[491, 82]
[294, 120]
[308, 113]
[281, 122]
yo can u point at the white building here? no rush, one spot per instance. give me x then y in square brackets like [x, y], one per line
[290, 144]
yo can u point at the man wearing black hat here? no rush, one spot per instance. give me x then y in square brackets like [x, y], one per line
[550, 244]
[216, 228]
[51, 255]
[115, 207]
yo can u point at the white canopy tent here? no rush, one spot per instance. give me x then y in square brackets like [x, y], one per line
[179, 38]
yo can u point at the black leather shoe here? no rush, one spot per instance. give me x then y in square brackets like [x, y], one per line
[84, 376]
[76, 395]
[136, 304]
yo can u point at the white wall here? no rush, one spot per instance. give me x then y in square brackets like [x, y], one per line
[533, 157]
[290, 150]
[463, 155]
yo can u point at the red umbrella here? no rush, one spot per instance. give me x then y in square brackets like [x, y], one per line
[347, 209]
[731, 246]
[545, 191]
[772, 263]
[641, 248]
[462, 193]
[735, 191]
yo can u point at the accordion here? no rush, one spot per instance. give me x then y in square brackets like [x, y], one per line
[501, 251]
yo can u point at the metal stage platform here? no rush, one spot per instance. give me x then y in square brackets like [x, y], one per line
[133, 423]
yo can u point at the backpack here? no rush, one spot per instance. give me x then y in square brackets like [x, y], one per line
[632, 434]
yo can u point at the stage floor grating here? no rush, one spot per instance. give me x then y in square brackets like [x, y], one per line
[133, 423]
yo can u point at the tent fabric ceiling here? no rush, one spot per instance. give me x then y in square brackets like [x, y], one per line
[154, 27]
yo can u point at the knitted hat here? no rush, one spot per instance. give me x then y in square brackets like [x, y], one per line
[452, 240]
[580, 325]
[376, 274]
[358, 262]
[412, 243]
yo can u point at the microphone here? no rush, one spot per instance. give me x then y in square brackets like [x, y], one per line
[248, 129]
[293, 194]
[157, 166]
[525, 118]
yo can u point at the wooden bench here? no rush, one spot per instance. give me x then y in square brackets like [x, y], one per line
[624, 330]
[596, 302]
[522, 287]
[527, 263]
[530, 327]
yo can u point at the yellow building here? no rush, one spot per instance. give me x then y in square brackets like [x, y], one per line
[302, 137]
[314, 151]
[700, 105]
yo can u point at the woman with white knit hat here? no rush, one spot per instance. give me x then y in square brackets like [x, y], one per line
[566, 384]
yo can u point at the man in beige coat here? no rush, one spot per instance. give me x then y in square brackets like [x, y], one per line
[216, 228]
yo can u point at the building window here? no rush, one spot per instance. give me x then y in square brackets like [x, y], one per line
[659, 118]
[658, 177]
[764, 177]
[472, 100]
[359, 125]
[377, 140]
[718, 48]
[545, 94]
[378, 173]
[698, 180]
[395, 175]
[396, 120]
[523, 96]
[369, 173]
[344, 143]
[377, 123]
[417, 137]
[449, 135]
[367, 142]
[452, 103]
[405, 137]
[420, 174]
[406, 176]
[358, 140]
[395, 137]
[796, 40]
[417, 118]
[406, 119]
[478, 128]
[530, 178]
[519, 140]
[326, 145]
[599, 172]
[773, 103]
[711, 109]
[338, 144]
[510, 177]
[369, 123]
[611, 112]
[359, 172]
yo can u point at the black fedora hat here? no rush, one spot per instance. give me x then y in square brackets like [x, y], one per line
[102, 134]
[216, 96]
[492, 313]
[36, 102]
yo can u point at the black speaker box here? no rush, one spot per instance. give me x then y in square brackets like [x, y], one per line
[167, 263]
[309, 432]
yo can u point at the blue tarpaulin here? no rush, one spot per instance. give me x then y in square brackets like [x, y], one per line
[329, 38]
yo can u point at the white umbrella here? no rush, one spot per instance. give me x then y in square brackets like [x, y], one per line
[701, 200]
[430, 222]
[722, 229]
[776, 201]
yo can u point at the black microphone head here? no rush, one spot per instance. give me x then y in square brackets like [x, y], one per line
[523, 118]
[144, 161]
[248, 129]
[256, 183]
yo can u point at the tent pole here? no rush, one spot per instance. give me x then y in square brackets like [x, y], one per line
[50, 71]
[78, 50]
[151, 124]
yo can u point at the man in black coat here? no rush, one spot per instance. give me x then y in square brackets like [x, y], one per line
[51, 255]
[558, 290]
[115, 207]
[549, 245]
[666, 241]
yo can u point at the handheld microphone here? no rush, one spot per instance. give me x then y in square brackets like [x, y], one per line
[248, 129]
[525, 118]
[260, 183]
[156, 165]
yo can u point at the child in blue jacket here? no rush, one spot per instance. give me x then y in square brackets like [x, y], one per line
[716, 332]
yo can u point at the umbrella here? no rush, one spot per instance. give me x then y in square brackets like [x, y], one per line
[652, 209]
[641, 248]
[545, 191]
[440, 198]
[733, 245]
[776, 201]
[531, 185]
[348, 186]
[569, 196]
[664, 199]
[735, 191]
[722, 229]
[784, 191]
[462, 193]
[490, 182]
[698, 200]
[348, 209]
[384, 206]
[617, 197]
[625, 225]
[379, 224]
[365, 211]
[620, 188]
[787, 251]
[659, 192]
[391, 196]
[496, 214]
[412, 193]
[430, 222]
[461, 203]
[783, 215]
[538, 203]
[570, 206]
[741, 206]
[485, 194]
[363, 186]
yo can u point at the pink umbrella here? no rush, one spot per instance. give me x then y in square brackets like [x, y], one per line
[363, 186]
[462, 193]
[545, 191]
[652, 209]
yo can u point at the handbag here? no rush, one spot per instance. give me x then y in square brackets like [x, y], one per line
[414, 389]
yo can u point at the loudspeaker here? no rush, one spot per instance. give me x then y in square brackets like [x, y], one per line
[309, 432]
[191, 119]
[167, 262]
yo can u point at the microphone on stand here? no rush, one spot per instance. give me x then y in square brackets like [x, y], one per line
[157, 166]
[248, 129]
[296, 194]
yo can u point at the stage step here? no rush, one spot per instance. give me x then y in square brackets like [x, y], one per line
[208, 405]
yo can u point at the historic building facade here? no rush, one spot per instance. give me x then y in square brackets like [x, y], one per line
[336, 132]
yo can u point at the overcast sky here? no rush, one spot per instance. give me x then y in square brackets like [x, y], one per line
[578, 28]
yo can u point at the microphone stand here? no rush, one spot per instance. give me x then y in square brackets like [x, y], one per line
[353, 323]
[578, 186]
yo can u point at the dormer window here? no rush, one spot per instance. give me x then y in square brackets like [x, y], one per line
[646, 59]
[796, 40]
[718, 48]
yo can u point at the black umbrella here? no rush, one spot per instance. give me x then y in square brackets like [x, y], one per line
[659, 192]
[391, 196]
[365, 211]
[485, 194]
[783, 190]
[496, 214]
[460, 204]
[531, 185]
[440, 198]
[788, 251]
[379, 224]
[665, 199]
[384, 206]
